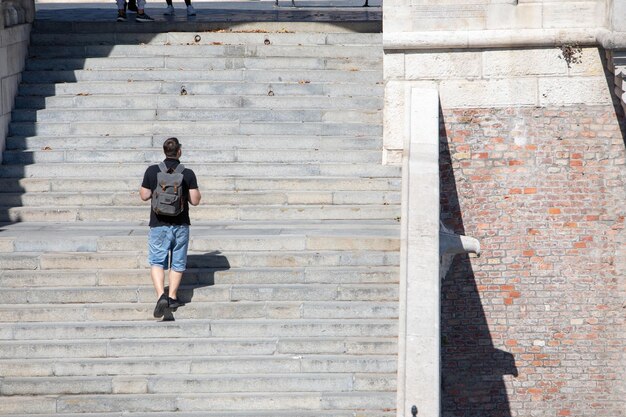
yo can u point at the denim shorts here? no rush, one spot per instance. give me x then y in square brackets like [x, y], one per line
[163, 240]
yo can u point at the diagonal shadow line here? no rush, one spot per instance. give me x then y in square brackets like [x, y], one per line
[472, 368]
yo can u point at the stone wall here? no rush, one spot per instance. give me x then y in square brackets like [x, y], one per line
[15, 24]
[492, 78]
[535, 327]
[403, 16]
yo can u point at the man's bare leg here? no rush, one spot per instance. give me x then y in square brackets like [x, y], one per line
[158, 279]
[175, 278]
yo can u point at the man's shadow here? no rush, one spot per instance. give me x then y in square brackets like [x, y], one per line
[200, 273]
[472, 367]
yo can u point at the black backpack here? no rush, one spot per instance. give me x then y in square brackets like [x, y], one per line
[167, 198]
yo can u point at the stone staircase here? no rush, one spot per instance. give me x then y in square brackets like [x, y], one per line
[617, 65]
[291, 291]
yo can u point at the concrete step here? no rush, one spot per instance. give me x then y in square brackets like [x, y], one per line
[238, 169]
[232, 142]
[172, 384]
[369, 402]
[365, 116]
[151, 155]
[195, 346]
[225, 260]
[353, 88]
[213, 38]
[253, 413]
[198, 365]
[212, 63]
[213, 293]
[195, 102]
[331, 186]
[87, 312]
[180, 128]
[16, 278]
[240, 75]
[214, 329]
[223, 51]
[131, 198]
[204, 213]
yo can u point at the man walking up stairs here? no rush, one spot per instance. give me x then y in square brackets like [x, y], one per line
[291, 280]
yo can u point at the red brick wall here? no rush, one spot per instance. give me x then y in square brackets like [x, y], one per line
[535, 326]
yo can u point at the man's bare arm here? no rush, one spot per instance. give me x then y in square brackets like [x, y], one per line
[145, 193]
[194, 197]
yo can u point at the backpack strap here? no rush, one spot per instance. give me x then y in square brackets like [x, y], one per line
[179, 168]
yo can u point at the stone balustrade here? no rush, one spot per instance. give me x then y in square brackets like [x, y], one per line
[16, 19]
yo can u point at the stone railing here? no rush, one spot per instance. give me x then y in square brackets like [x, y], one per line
[16, 19]
[16, 12]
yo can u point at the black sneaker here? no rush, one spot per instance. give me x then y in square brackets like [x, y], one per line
[174, 303]
[142, 17]
[161, 306]
[121, 16]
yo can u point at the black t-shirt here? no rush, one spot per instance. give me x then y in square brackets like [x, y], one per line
[189, 183]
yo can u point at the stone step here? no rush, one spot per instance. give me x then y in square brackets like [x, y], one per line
[204, 213]
[225, 260]
[240, 169]
[353, 88]
[231, 142]
[150, 155]
[214, 38]
[180, 128]
[331, 186]
[207, 293]
[201, 276]
[352, 62]
[214, 329]
[140, 51]
[173, 384]
[378, 403]
[239, 75]
[198, 365]
[87, 312]
[131, 198]
[195, 102]
[254, 413]
[195, 346]
[364, 116]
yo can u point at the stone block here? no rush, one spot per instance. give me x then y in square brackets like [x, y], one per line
[14, 262]
[9, 87]
[28, 404]
[7, 244]
[394, 118]
[523, 63]
[583, 14]
[16, 54]
[245, 365]
[56, 349]
[129, 385]
[359, 400]
[372, 364]
[233, 402]
[375, 382]
[588, 63]
[55, 386]
[110, 403]
[514, 16]
[439, 65]
[4, 62]
[488, 93]
[574, 90]
[393, 66]
[31, 368]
